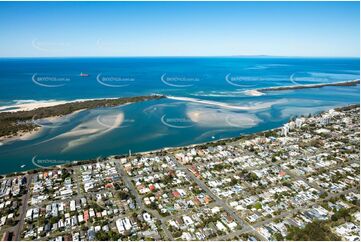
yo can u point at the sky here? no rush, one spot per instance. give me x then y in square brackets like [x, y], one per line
[80, 29]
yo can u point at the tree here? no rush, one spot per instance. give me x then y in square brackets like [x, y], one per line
[315, 231]
[278, 236]
[258, 206]
[102, 236]
[342, 213]
[324, 195]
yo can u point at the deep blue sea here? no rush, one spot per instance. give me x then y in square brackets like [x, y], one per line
[210, 99]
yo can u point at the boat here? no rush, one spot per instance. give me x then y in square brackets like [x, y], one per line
[83, 74]
[22, 166]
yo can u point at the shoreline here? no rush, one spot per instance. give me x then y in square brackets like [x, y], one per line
[27, 135]
[14, 123]
[225, 105]
[30, 106]
[44, 105]
[166, 149]
[282, 88]
[22, 136]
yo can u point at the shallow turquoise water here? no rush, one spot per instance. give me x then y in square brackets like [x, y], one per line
[166, 122]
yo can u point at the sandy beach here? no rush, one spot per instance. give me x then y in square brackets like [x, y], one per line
[22, 136]
[254, 93]
[55, 121]
[254, 106]
[27, 105]
[330, 84]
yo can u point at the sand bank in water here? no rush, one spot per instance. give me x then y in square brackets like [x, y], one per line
[252, 106]
[90, 130]
[208, 117]
[253, 93]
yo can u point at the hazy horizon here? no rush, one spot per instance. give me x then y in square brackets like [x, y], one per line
[169, 56]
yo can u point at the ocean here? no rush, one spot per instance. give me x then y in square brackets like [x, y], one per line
[209, 99]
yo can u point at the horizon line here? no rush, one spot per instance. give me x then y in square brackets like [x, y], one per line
[176, 56]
